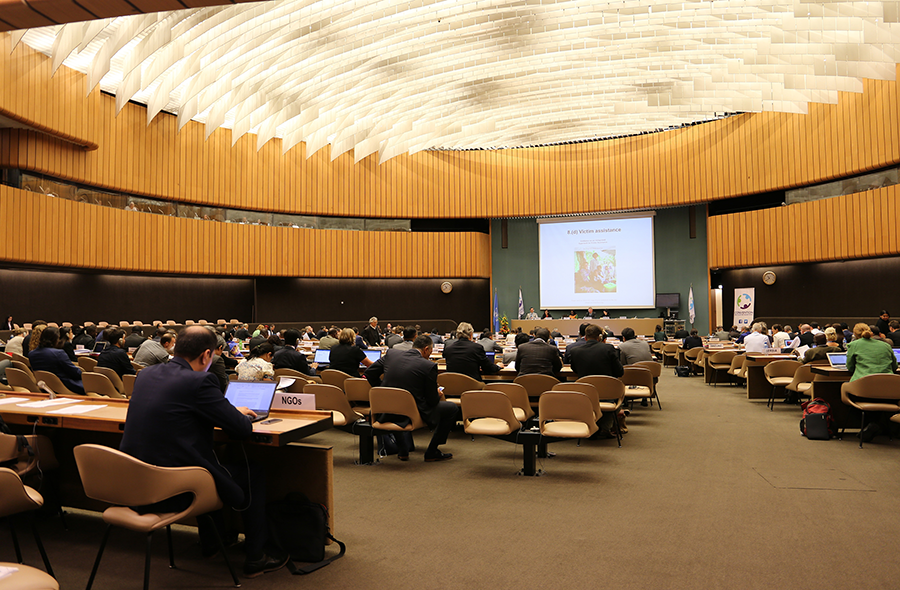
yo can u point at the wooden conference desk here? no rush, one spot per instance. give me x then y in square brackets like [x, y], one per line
[294, 467]
[567, 327]
[826, 384]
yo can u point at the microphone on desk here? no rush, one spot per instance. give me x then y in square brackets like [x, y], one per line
[46, 389]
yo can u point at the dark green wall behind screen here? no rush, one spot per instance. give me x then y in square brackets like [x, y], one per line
[679, 261]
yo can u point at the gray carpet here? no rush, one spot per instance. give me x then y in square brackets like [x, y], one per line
[713, 491]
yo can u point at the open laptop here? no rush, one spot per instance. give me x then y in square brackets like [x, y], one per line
[323, 356]
[837, 360]
[490, 356]
[256, 395]
[372, 355]
[100, 345]
[897, 354]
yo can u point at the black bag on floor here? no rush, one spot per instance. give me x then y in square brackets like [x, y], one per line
[683, 371]
[387, 443]
[300, 527]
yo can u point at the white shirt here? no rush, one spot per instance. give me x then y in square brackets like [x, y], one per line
[779, 339]
[756, 342]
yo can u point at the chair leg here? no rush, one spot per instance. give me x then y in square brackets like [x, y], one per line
[862, 424]
[15, 539]
[147, 562]
[40, 546]
[99, 555]
[171, 553]
[215, 531]
[618, 430]
[656, 395]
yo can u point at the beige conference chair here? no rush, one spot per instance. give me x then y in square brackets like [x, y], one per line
[566, 414]
[780, 374]
[720, 362]
[518, 397]
[87, 363]
[53, 382]
[21, 381]
[535, 385]
[872, 393]
[357, 390]
[638, 384]
[392, 400]
[334, 377]
[655, 369]
[802, 382]
[15, 498]
[491, 413]
[455, 384]
[103, 470]
[27, 578]
[128, 384]
[330, 398]
[608, 388]
[99, 384]
[112, 376]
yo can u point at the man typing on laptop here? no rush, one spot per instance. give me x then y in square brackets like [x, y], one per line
[171, 417]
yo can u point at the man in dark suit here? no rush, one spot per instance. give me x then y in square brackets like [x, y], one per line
[539, 357]
[596, 357]
[411, 370]
[136, 338]
[567, 357]
[467, 357]
[171, 417]
[114, 356]
[372, 333]
[289, 358]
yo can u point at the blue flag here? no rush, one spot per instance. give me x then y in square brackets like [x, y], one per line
[496, 313]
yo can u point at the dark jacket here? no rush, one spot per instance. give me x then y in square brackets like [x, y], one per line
[56, 361]
[596, 358]
[170, 422]
[538, 357]
[692, 342]
[288, 358]
[468, 358]
[408, 370]
[371, 335]
[116, 359]
[346, 358]
[217, 368]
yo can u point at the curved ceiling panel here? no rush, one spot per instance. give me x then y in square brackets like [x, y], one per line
[389, 77]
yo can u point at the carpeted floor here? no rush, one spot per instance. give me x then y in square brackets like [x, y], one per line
[712, 491]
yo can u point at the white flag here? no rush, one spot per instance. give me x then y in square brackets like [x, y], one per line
[691, 313]
[521, 305]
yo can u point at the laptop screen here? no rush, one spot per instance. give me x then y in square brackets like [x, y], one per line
[100, 345]
[373, 355]
[897, 354]
[256, 395]
[837, 358]
[490, 356]
[323, 355]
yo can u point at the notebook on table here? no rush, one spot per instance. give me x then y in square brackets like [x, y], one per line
[837, 360]
[256, 395]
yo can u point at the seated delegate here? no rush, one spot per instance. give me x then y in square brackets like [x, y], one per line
[869, 356]
[46, 357]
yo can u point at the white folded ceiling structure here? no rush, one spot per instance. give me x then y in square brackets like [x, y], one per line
[392, 77]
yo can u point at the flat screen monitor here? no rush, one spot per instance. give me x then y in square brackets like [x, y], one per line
[323, 355]
[668, 299]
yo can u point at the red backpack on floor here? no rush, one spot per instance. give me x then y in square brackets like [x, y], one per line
[817, 423]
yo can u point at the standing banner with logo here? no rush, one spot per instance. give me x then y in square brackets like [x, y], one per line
[743, 306]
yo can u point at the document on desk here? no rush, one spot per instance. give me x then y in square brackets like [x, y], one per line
[76, 409]
[50, 402]
[12, 400]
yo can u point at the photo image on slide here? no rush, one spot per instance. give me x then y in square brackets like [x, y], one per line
[595, 271]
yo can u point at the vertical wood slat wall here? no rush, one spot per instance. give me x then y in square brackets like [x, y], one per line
[55, 235]
[740, 155]
[861, 225]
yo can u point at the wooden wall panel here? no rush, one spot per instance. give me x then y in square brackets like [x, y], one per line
[80, 138]
[861, 225]
[69, 234]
